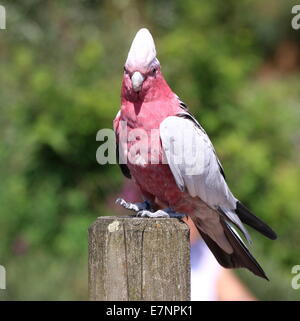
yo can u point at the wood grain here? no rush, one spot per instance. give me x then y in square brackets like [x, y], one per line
[139, 259]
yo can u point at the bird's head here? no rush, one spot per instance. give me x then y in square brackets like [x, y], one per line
[142, 68]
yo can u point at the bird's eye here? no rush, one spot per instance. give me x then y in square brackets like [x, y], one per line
[153, 71]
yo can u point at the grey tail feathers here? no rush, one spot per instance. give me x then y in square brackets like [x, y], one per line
[240, 258]
[250, 219]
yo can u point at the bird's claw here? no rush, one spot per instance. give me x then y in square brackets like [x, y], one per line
[157, 214]
[164, 213]
[143, 209]
[136, 207]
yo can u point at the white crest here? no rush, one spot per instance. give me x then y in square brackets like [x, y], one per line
[142, 51]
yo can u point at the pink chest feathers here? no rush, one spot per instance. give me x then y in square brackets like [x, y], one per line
[157, 180]
[139, 139]
[147, 165]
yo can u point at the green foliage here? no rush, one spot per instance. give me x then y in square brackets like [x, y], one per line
[61, 70]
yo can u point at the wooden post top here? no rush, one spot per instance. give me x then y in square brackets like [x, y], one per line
[137, 223]
[132, 258]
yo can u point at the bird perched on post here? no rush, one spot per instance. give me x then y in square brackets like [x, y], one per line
[168, 154]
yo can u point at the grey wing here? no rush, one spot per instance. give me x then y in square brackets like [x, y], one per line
[195, 166]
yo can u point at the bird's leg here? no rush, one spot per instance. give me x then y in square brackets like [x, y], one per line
[136, 207]
[144, 209]
[164, 213]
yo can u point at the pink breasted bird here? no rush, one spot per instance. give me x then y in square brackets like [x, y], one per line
[188, 177]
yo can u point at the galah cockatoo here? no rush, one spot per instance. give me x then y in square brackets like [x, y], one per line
[193, 184]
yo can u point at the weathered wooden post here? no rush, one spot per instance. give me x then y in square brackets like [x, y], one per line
[139, 259]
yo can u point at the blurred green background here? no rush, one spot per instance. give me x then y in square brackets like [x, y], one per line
[235, 63]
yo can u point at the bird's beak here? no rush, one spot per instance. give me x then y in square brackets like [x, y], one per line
[137, 81]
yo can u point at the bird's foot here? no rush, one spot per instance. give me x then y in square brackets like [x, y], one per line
[136, 207]
[164, 213]
[144, 209]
